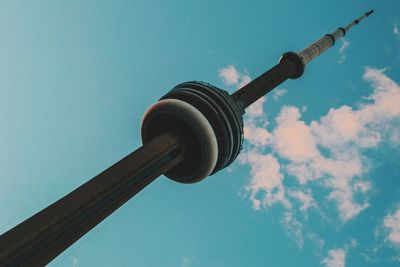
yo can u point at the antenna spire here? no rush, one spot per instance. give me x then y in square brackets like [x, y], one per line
[327, 41]
[291, 65]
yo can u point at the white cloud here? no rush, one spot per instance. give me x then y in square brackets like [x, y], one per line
[344, 46]
[327, 152]
[396, 30]
[335, 258]
[395, 258]
[392, 224]
[305, 198]
[385, 99]
[278, 93]
[256, 110]
[256, 135]
[341, 52]
[293, 138]
[244, 80]
[298, 142]
[353, 243]
[338, 127]
[395, 136]
[229, 75]
[318, 242]
[75, 261]
[265, 187]
[187, 261]
[294, 228]
[343, 133]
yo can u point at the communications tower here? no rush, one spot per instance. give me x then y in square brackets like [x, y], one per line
[192, 132]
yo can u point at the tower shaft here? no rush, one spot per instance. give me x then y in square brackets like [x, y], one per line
[39, 239]
[285, 69]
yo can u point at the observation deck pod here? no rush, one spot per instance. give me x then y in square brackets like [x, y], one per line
[209, 122]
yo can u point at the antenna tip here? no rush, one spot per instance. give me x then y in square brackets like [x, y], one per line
[369, 12]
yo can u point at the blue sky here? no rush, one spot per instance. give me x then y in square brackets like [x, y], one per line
[317, 183]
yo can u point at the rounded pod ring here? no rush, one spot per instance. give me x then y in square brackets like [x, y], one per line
[198, 137]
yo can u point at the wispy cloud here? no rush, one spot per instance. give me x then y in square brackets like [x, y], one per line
[256, 110]
[392, 225]
[278, 93]
[75, 262]
[231, 76]
[396, 31]
[265, 190]
[395, 258]
[342, 49]
[187, 261]
[294, 227]
[305, 198]
[335, 258]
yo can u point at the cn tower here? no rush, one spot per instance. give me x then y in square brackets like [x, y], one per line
[192, 132]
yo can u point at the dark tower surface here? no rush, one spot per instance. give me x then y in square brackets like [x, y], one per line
[193, 131]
